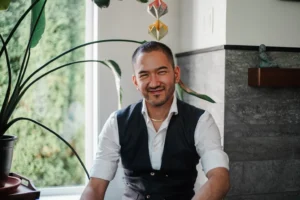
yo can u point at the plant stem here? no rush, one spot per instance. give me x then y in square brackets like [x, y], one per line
[17, 25]
[77, 47]
[12, 106]
[15, 100]
[3, 108]
[57, 68]
[26, 65]
[48, 129]
[23, 68]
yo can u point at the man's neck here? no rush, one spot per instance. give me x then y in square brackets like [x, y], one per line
[159, 112]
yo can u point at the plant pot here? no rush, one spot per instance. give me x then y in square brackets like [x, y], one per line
[6, 153]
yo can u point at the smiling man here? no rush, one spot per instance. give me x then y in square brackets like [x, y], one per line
[160, 139]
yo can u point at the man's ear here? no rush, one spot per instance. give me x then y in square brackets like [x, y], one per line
[177, 74]
[134, 81]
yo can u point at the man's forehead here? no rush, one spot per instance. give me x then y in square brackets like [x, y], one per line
[148, 61]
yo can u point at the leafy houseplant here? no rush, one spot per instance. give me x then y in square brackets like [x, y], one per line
[14, 94]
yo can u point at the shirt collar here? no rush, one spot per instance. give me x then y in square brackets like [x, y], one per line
[173, 109]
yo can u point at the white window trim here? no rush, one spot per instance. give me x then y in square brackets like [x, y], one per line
[91, 107]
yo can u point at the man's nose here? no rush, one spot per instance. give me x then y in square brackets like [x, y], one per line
[154, 82]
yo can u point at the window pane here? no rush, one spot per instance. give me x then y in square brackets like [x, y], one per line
[56, 101]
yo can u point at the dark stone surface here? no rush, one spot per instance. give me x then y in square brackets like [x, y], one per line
[261, 125]
[274, 196]
[271, 176]
[261, 148]
[261, 131]
[263, 112]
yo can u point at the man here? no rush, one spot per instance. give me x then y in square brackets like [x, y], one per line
[159, 140]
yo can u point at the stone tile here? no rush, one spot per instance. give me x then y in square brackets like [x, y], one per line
[261, 130]
[274, 196]
[297, 148]
[236, 77]
[261, 125]
[254, 177]
[260, 148]
[264, 112]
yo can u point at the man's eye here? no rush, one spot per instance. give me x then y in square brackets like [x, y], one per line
[143, 75]
[162, 72]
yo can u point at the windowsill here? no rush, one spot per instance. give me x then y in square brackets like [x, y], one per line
[61, 197]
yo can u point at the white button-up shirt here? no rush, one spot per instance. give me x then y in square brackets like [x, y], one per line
[207, 142]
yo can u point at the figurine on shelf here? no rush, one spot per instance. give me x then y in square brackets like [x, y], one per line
[265, 61]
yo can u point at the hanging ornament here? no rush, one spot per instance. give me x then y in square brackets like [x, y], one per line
[157, 9]
[158, 30]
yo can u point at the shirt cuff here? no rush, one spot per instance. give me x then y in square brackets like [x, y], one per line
[213, 159]
[104, 169]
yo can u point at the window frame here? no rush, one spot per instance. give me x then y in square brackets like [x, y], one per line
[91, 105]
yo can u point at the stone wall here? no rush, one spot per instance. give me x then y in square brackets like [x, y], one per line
[204, 73]
[262, 131]
[261, 126]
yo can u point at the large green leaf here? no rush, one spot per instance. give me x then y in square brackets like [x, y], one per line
[117, 74]
[179, 92]
[102, 3]
[4, 4]
[192, 92]
[143, 1]
[39, 30]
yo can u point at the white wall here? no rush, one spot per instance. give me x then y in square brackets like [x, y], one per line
[127, 20]
[202, 24]
[269, 22]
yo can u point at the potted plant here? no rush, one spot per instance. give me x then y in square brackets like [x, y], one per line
[13, 95]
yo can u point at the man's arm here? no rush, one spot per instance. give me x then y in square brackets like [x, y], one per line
[106, 163]
[216, 187]
[214, 160]
[95, 190]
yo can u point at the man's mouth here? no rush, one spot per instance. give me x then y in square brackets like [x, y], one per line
[156, 91]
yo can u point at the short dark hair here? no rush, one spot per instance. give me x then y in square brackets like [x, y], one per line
[148, 47]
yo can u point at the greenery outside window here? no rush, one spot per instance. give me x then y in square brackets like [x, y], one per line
[57, 100]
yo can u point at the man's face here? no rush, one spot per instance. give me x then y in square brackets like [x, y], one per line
[155, 77]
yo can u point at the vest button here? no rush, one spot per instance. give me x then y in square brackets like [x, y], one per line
[152, 173]
[167, 175]
[148, 196]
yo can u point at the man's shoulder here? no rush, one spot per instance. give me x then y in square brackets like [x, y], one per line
[186, 107]
[130, 108]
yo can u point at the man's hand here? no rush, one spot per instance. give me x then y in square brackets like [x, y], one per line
[95, 190]
[216, 187]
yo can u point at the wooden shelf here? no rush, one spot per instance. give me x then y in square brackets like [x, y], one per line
[274, 77]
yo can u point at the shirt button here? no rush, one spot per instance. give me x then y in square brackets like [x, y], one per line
[152, 173]
[148, 196]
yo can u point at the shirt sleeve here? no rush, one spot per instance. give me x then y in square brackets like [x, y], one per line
[208, 144]
[108, 154]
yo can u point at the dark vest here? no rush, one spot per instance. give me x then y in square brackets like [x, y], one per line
[176, 178]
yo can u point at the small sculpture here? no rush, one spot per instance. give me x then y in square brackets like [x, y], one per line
[265, 61]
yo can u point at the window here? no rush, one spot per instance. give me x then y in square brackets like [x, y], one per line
[60, 100]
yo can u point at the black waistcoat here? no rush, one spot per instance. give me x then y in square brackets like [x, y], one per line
[176, 178]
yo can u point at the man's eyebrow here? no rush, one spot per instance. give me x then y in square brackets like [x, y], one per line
[143, 72]
[162, 67]
[157, 69]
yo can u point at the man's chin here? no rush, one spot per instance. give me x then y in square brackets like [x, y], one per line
[157, 103]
